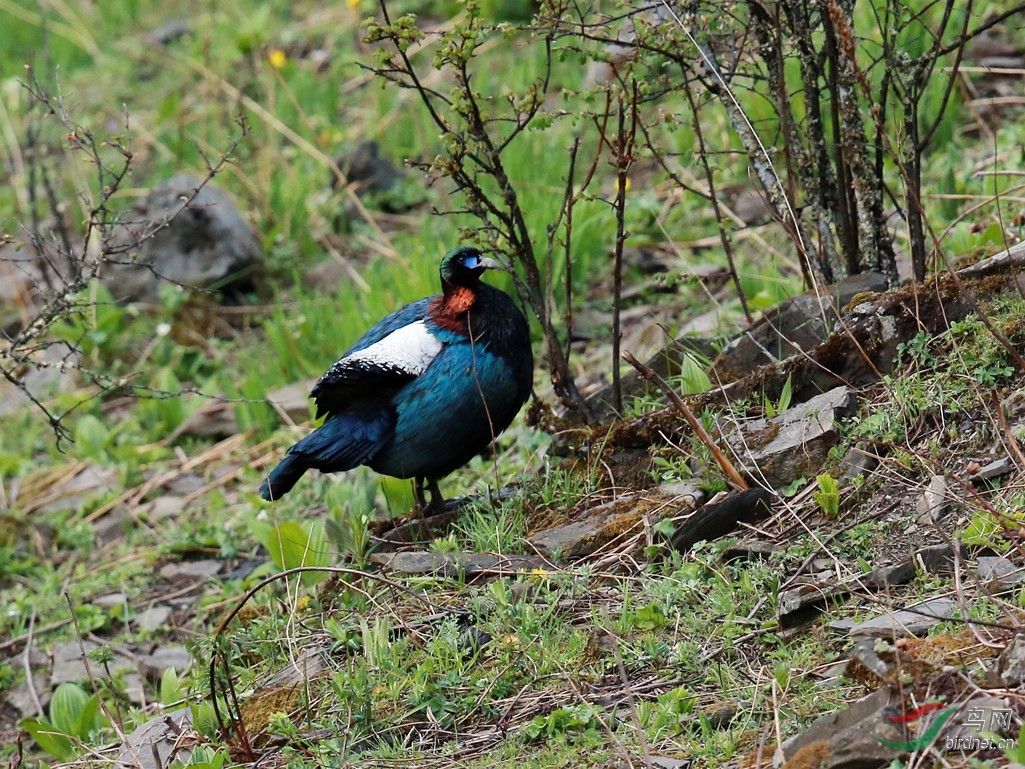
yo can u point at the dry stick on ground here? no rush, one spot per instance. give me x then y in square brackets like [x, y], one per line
[693, 421]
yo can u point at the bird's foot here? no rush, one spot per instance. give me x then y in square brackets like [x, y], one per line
[423, 508]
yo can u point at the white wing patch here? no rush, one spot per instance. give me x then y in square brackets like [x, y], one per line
[409, 349]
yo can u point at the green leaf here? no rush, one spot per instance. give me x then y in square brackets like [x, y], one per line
[828, 495]
[91, 436]
[90, 719]
[786, 395]
[66, 706]
[204, 718]
[693, 377]
[49, 738]
[170, 687]
[292, 545]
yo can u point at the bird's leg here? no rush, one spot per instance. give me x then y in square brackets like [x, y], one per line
[437, 500]
[423, 507]
[420, 504]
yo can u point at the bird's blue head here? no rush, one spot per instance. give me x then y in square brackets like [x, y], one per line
[463, 265]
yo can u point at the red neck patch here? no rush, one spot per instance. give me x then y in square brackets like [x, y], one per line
[449, 310]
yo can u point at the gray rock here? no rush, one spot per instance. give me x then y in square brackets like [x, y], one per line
[293, 400]
[979, 715]
[153, 665]
[799, 605]
[1015, 255]
[68, 666]
[110, 600]
[300, 669]
[850, 736]
[55, 374]
[933, 504]
[456, 565]
[73, 492]
[152, 619]
[793, 326]
[794, 444]
[134, 688]
[913, 620]
[867, 653]
[994, 469]
[934, 559]
[158, 743]
[859, 460]
[665, 762]
[212, 420]
[999, 570]
[190, 571]
[605, 523]
[164, 507]
[30, 700]
[193, 239]
[1011, 663]
[830, 676]
[750, 550]
[370, 173]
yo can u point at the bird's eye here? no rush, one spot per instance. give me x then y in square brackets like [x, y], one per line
[471, 261]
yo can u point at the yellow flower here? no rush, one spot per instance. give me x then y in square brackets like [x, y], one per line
[277, 58]
[352, 3]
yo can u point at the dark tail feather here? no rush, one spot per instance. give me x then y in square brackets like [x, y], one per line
[283, 477]
[343, 442]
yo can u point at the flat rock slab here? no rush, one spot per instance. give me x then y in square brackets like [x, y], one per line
[1011, 663]
[802, 604]
[191, 571]
[794, 444]
[159, 742]
[791, 327]
[152, 619]
[293, 400]
[457, 565]
[154, 664]
[934, 559]
[848, 739]
[914, 620]
[598, 526]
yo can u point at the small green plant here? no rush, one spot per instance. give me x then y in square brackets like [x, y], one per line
[203, 757]
[564, 722]
[693, 377]
[1016, 753]
[989, 529]
[828, 495]
[494, 531]
[347, 525]
[292, 544]
[173, 696]
[75, 717]
[672, 468]
[785, 396]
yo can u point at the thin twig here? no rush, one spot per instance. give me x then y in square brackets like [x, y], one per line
[699, 430]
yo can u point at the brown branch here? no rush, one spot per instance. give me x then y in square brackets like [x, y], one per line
[699, 429]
